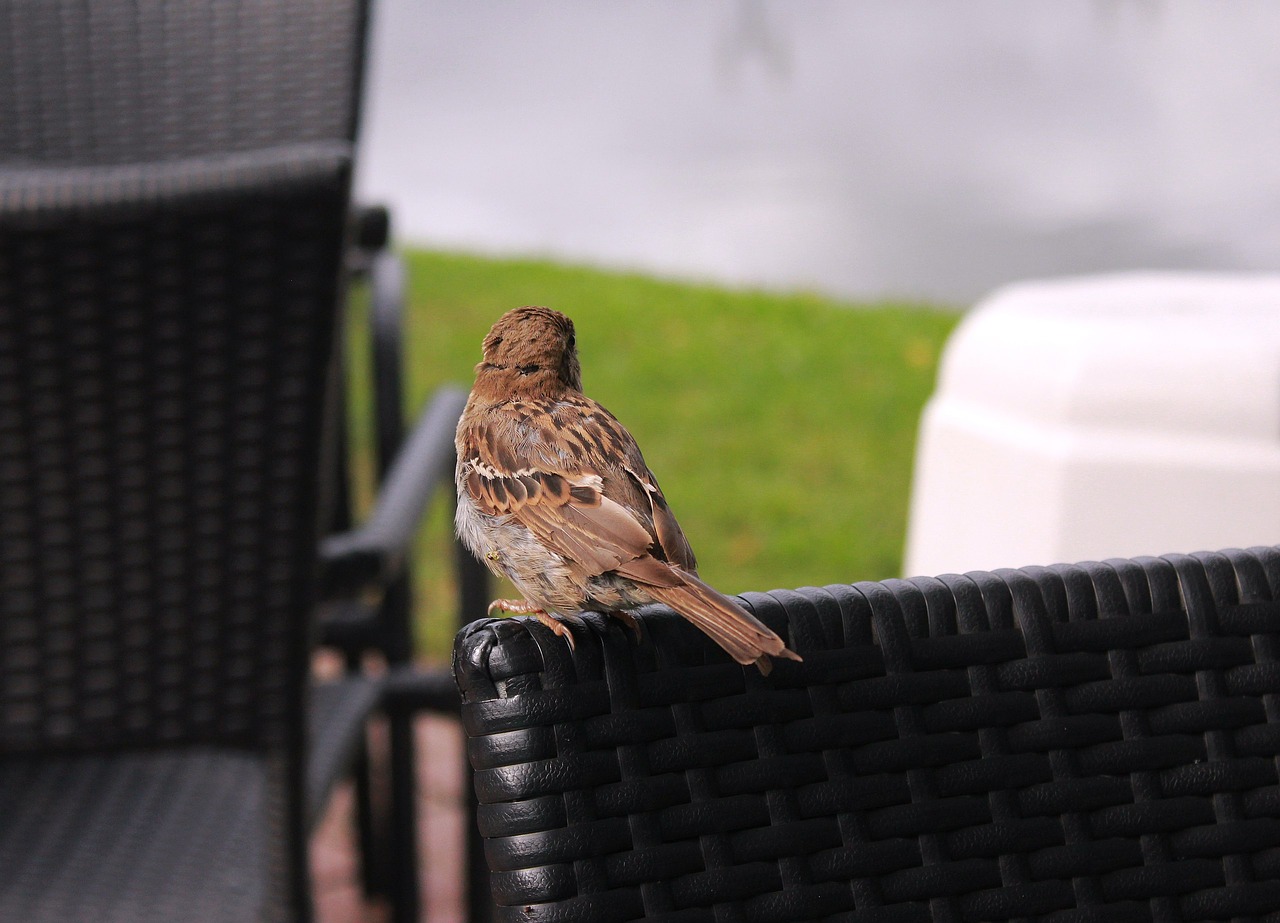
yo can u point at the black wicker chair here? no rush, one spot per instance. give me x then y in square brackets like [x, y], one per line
[1088, 742]
[176, 241]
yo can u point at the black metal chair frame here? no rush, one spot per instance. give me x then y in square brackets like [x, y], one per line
[367, 568]
[1072, 743]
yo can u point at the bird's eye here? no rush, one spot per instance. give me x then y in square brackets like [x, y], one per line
[573, 341]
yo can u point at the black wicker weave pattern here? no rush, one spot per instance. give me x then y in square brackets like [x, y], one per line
[161, 382]
[1091, 742]
[153, 80]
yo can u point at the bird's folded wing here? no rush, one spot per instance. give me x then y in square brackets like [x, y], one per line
[572, 474]
[568, 513]
[671, 538]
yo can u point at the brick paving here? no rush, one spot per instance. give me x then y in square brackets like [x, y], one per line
[335, 878]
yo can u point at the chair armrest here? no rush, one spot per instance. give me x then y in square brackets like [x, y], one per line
[369, 556]
[370, 235]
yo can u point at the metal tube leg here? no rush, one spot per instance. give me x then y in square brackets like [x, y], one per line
[371, 865]
[403, 823]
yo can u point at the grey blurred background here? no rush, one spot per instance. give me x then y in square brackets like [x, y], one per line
[921, 148]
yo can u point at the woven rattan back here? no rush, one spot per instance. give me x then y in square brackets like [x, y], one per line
[174, 183]
[1092, 742]
[151, 80]
[162, 373]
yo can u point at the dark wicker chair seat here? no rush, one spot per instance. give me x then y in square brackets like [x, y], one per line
[143, 835]
[337, 716]
[166, 834]
[1075, 743]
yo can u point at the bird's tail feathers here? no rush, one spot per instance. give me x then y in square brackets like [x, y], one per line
[742, 635]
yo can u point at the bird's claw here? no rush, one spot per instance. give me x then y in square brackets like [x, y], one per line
[524, 607]
[626, 618]
[557, 627]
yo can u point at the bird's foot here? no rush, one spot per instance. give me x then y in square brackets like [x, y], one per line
[515, 607]
[524, 607]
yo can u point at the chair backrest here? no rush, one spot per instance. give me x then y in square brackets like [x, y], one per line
[157, 80]
[174, 189]
[1088, 742]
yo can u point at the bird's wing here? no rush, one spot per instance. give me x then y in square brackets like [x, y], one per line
[671, 539]
[570, 472]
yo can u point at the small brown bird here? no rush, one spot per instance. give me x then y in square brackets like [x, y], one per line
[554, 495]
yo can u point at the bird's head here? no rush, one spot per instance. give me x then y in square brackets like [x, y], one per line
[531, 350]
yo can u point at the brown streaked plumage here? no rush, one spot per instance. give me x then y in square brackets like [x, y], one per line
[554, 495]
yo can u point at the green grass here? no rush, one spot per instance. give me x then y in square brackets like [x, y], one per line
[781, 427]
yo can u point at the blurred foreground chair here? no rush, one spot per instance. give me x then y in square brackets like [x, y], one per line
[1090, 742]
[176, 243]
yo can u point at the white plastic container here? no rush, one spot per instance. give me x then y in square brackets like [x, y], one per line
[1104, 416]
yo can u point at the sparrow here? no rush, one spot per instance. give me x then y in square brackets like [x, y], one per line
[554, 495]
